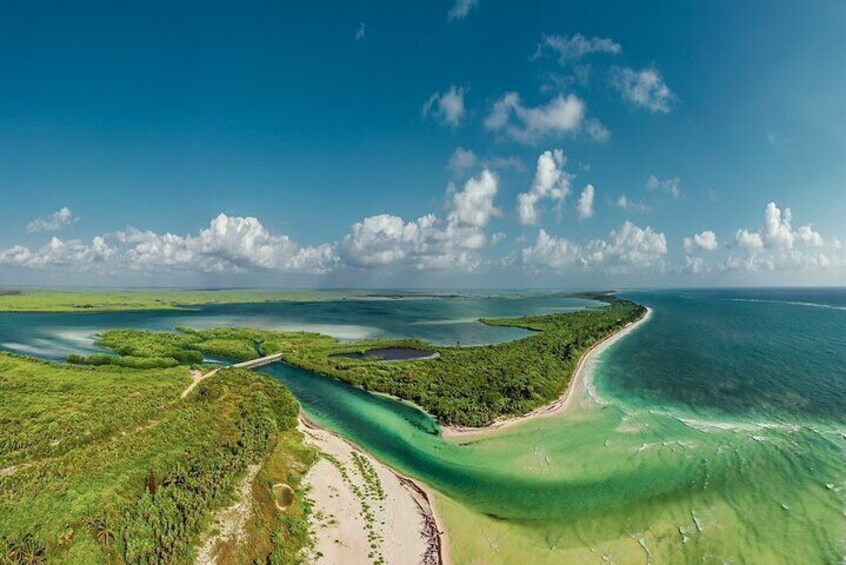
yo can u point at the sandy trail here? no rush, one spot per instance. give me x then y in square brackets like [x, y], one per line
[577, 385]
[229, 523]
[197, 377]
[363, 511]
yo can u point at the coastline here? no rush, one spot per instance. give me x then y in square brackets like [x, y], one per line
[404, 497]
[563, 402]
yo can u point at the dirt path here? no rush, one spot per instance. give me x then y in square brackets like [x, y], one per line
[229, 523]
[197, 376]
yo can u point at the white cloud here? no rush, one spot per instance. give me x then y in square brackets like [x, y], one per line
[551, 181]
[560, 116]
[644, 88]
[777, 246]
[809, 237]
[56, 221]
[474, 205]
[577, 46]
[428, 242]
[446, 108]
[778, 232]
[625, 203]
[229, 244]
[782, 260]
[461, 161]
[461, 9]
[705, 241]
[58, 253]
[236, 244]
[585, 204]
[671, 186]
[628, 248]
[749, 240]
[695, 265]
[360, 32]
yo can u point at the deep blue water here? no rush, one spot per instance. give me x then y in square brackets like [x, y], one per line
[774, 353]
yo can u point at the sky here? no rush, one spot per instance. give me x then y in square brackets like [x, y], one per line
[433, 144]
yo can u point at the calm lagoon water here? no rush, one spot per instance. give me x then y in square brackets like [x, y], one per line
[714, 433]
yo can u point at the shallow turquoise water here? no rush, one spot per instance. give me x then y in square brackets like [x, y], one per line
[716, 433]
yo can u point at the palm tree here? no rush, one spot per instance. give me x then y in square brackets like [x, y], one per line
[105, 535]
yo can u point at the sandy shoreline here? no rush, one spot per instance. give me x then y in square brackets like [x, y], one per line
[559, 405]
[363, 509]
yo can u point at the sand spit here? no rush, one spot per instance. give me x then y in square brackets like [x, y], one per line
[578, 384]
[363, 511]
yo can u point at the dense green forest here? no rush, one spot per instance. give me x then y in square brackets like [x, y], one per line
[108, 464]
[470, 386]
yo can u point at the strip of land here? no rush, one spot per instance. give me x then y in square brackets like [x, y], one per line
[462, 386]
[577, 385]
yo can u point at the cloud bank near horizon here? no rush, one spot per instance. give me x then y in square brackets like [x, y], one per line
[461, 240]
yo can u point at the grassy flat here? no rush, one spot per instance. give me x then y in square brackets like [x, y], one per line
[132, 300]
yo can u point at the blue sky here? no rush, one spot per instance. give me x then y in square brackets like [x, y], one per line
[364, 144]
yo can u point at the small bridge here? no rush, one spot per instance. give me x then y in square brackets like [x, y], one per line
[260, 362]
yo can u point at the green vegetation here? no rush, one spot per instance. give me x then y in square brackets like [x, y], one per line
[470, 386]
[272, 535]
[106, 464]
[128, 300]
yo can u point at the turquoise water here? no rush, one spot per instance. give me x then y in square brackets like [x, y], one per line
[445, 321]
[713, 433]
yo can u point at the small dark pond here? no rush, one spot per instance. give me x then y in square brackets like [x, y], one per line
[389, 354]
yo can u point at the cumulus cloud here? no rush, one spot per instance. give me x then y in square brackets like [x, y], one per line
[474, 205]
[461, 9]
[749, 240]
[229, 244]
[705, 241]
[625, 249]
[572, 48]
[778, 232]
[447, 108]
[58, 253]
[585, 203]
[428, 242]
[56, 221]
[670, 186]
[563, 115]
[776, 246]
[551, 181]
[644, 88]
